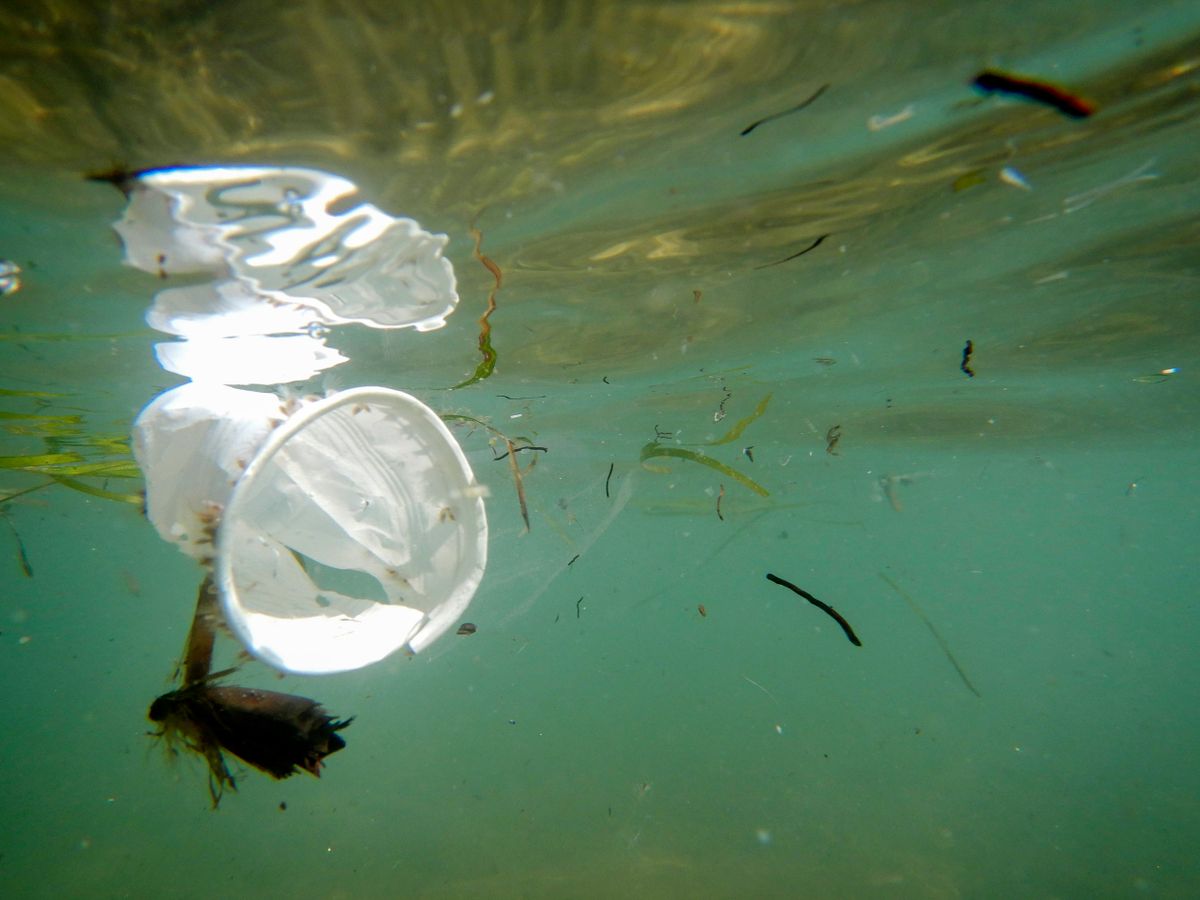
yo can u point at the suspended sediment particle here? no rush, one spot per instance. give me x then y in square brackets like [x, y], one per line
[991, 81]
[824, 607]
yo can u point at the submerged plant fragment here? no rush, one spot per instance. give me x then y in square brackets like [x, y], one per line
[654, 449]
[488, 364]
[736, 431]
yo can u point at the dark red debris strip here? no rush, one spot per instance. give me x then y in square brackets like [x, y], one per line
[966, 360]
[991, 81]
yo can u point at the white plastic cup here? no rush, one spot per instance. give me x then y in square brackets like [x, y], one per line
[356, 528]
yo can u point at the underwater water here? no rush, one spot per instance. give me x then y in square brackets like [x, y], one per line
[1011, 534]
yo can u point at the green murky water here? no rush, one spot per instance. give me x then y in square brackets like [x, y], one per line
[600, 736]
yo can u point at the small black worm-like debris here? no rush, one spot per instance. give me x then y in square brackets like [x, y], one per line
[966, 360]
[608, 478]
[813, 246]
[787, 112]
[466, 628]
[573, 558]
[518, 450]
[577, 602]
[824, 607]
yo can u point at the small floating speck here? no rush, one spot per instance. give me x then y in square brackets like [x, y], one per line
[1012, 177]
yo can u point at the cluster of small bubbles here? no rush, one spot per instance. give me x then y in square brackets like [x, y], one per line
[291, 205]
[316, 330]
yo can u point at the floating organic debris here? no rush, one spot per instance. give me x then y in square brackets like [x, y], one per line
[991, 81]
[516, 472]
[736, 431]
[510, 452]
[1076, 202]
[71, 453]
[813, 246]
[966, 359]
[889, 483]
[720, 413]
[522, 447]
[912, 604]
[488, 364]
[969, 180]
[277, 733]
[787, 112]
[466, 628]
[832, 436]
[655, 449]
[882, 121]
[22, 556]
[824, 607]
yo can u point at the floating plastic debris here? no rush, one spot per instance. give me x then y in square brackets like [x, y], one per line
[337, 529]
[339, 534]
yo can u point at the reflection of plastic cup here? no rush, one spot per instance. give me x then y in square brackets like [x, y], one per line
[356, 530]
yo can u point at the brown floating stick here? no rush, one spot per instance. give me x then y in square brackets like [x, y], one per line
[197, 657]
[516, 470]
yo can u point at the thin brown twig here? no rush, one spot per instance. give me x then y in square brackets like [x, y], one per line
[516, 471]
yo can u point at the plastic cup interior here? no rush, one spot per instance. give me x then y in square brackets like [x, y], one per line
[357, 530]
